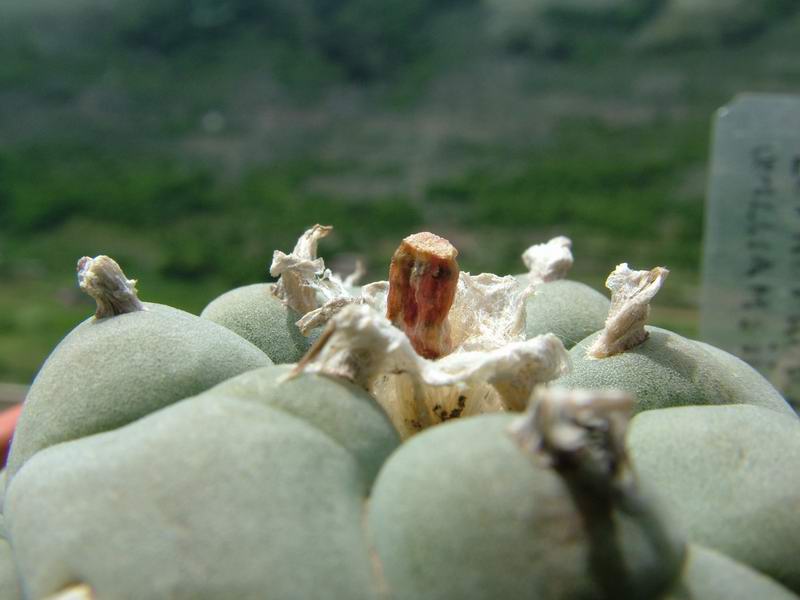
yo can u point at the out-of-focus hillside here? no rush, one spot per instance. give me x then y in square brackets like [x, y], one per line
[190, 138]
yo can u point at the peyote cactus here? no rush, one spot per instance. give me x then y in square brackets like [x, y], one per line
[128, 360]
[161, 455]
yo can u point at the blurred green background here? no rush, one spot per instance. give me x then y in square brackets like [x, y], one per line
[191, 138]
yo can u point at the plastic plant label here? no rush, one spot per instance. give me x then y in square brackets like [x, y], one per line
[751, 270]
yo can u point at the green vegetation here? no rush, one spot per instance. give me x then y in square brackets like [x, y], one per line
[191, 138]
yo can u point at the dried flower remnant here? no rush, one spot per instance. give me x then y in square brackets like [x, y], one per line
[631, 294]
[423, 277]
[486, 311]
[549, 261]
[304, 284]
[308, 288]
[387, 338]
[102, 278]
[361, 345]
[577, 429]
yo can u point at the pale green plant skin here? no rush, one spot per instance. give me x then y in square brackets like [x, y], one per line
[670, 370]
[570, 309]
[726, 474]
[709, 575]
[341, 410]
[460, 511]
[287, 467]
[279, 512]
[253, 312]
[9, 582]
[109, 372]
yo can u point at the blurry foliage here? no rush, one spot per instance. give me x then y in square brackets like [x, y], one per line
[584, 29]
[363, 39]
[565, 29]
[359, 40]
[593, 182]
[200, 228]
[41, 188]
[681, 23]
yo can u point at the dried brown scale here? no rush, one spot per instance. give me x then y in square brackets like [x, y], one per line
[422, 286]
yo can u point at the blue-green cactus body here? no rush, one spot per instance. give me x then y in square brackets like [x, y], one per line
[253, 312]
[112, 371]
[670, 370]
[460, 512]
[726, 474]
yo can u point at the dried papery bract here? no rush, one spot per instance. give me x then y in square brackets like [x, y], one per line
[363, 346]
[441, 309]
[296, 269]
[422, 285]
[359, 344]
[577, 431]
[102, 278]
[357, 275]
[373, 294]
[304, 284]
[549, 261]
[355, 345]
[631, 293]
[488, 312]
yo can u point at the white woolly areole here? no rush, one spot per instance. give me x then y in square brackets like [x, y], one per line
[549, 261]
[363, 346]
[631, 293]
